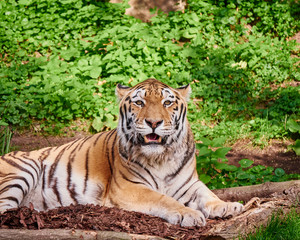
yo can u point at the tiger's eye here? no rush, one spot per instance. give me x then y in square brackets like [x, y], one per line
[167, 103]
[139, 103]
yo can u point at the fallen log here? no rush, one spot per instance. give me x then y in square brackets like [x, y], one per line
[261, 190]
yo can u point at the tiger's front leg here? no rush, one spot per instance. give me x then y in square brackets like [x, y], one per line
[139, 198]
[201, 198]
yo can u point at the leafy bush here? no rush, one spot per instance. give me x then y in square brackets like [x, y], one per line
[215, 172]
[61, 60]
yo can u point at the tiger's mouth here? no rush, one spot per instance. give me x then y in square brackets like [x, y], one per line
[152, 138]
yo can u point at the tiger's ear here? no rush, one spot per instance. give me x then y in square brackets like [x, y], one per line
[121, 91]
[185, 91]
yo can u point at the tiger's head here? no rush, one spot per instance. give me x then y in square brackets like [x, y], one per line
[152, 116]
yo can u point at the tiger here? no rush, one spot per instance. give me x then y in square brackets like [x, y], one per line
[147, 164]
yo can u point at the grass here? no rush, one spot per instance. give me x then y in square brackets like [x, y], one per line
[280, 227]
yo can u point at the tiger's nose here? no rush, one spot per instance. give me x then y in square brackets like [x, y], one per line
[152, 123]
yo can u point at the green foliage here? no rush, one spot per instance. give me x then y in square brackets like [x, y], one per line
[294, 127]
[61, 60]
[214, 170]
[280, 226]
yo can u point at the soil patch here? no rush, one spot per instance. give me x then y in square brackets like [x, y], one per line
[274, 155]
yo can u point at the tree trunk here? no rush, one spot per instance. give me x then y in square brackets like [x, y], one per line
[261, 190]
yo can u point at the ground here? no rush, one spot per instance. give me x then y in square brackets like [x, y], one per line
[275, 154]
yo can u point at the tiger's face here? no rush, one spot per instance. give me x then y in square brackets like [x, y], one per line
[152, 115]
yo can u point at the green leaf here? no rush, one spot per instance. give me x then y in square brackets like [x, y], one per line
[226, 167]
[25, 2]
[204, 151]
[205, 141]
[243, 175]
[95, 72]
[296, 147]
[279, 172]
[293, 126]
[221, 152]
[204, 178]
[82, 64]
[245, 163]
[97, 124]
[218, 142]
[109, 121]
[2, 123]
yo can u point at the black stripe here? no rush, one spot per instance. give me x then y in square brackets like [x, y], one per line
[12, 163]
[149, 173]
[56, 192]
[137, 174]
[181, 108]
[182, 195]
[127, 179]
[122, 86]
[184, 184]
[188, 156]
[54, 165]
[13, 199]
[84, 141]
[71, 157]
[184, 87]
[86, 178]
[44, 154]
[72, 143]
[73, 193]
[33, 160]
[95, 141]
[192, 199]
[123, 118]
[12, 178]
[10, 186]
[28, 164]
[44, 177]
[183, 117]
[140, 176]
[70, 186]
[106, 141]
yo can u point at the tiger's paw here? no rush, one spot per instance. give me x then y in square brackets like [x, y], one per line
[187, 217]
[223, 209]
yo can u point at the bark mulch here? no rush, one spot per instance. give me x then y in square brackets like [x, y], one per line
[99, 218]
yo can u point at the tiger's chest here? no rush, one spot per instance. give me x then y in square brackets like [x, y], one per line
[166, 178]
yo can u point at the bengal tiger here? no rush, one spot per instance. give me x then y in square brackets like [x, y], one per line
[145, 165]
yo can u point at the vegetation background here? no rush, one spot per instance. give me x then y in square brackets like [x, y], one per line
[61, 60]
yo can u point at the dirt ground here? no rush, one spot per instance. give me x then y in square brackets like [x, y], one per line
[275, 155]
